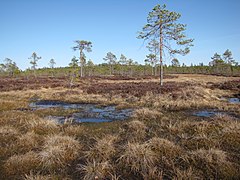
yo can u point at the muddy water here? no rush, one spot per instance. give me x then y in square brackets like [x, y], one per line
[87, 112]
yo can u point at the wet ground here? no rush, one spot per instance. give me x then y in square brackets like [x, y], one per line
[207, 113]
[234, 100]
[87, 112]
[214, 112]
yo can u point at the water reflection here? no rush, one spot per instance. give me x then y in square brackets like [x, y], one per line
[87, 112]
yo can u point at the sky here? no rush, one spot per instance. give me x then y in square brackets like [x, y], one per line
[50, 27]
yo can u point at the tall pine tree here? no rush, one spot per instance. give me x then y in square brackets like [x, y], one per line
[162, 25]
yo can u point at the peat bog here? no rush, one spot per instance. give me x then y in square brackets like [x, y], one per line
[184, 129]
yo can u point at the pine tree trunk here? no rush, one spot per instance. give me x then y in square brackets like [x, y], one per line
[81, 71]
[161, 52]
[155, 70]
[110, 69]
[34, 71]
[81, 64]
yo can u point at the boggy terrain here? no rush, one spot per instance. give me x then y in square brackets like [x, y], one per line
[163, 138]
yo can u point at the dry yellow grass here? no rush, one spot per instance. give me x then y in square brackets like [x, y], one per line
[6, 105]
[38, 176]
[189, 173]
[8, 134]
[31, 176]
[96, 170]
[42, 126]
[28, 142]
[73, 130]
[103, 150]
[59, 152]
[200, 78]
[8, 139]
[146, 114]
[213, 163]
[165, 148]
[139, 158]
[19, 165]
[16, 119]
[168, 155]
[133, 131]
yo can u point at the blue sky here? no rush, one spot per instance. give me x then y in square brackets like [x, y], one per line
[49, 28]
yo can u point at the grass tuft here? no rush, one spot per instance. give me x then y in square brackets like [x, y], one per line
[29, 142]
[145, 114]
[8, 139]
[8, 134]
[59, 152]
[138, 158]
[213, 163]
[94, 170]
[38, 176]
[133, 131]
[74, 131]
[168, 155]
[19, 165]
[103, 150]
[43, 127]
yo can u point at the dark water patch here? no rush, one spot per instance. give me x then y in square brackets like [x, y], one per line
[234, 100]
[206, 113]
[87, 112]
[72, 120]
[213, 113]
[94, 120]
[45, 104]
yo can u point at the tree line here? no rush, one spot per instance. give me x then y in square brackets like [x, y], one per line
[223, 64]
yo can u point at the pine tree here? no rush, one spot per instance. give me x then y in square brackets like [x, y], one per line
[34, 59]
[81, 46]
[111, 60]
[161, 24]
[227, 57]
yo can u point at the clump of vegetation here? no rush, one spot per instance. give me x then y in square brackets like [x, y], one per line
[133, 131]
[96, 170]
[8, 138]
[103, 150]
[31, 176]
[28, 142]
[58, 152]
[43, 127]
[19, 165]
[139, 159]
[146, 114]
[213, 163]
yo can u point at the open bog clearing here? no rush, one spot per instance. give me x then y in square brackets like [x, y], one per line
[120, 128]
